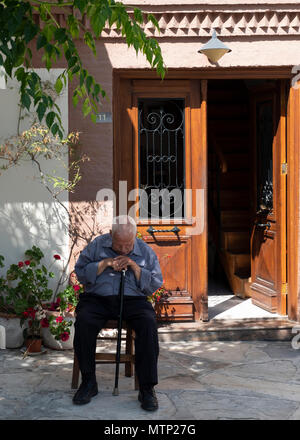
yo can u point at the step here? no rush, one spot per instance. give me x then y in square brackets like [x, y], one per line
[235, 241]
[233, 218]
[237, 161]
[238, 262]
[234, 264]
[232, 140]
[248, 291]
[229, 179]
[260, 329]
[175, 308]
[230, 199]
[232, 126]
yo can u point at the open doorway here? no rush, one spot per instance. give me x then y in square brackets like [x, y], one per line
[232, 181]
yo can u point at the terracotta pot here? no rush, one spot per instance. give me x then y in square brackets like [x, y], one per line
[33, 345]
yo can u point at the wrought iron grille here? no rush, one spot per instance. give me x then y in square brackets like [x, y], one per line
[264, 143]
[161, 157]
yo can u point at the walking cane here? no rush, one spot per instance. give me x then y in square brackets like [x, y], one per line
[116, 390]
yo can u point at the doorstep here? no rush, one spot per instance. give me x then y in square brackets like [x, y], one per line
[259, 329]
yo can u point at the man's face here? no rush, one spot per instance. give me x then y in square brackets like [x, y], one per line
[123, 243]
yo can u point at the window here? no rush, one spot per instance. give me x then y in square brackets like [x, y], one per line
[161, 157]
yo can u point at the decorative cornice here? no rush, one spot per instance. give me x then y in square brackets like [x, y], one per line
[200, 24]
[228, 23]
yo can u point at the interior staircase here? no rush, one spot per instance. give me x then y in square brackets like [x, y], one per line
[229, 180]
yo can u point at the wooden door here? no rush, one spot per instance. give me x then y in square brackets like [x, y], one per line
[160, 150]
[268, 235]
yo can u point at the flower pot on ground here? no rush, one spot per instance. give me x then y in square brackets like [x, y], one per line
[22, 292]
[33, 344]
[13, 330]
[58, 327]
[58, 330]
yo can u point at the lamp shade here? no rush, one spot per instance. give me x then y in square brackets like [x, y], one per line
[214, 49]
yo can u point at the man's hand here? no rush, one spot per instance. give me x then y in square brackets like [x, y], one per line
[123, 262]
[119, 263]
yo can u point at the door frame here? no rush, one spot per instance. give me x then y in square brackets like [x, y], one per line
[293, 151]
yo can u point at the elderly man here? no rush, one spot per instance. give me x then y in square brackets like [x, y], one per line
[99, 269]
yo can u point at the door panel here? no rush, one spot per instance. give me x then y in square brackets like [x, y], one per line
[268, 235]
[168, 150]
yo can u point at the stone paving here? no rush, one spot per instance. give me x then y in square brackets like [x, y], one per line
[197, 381]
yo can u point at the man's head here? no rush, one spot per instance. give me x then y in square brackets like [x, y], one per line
[123, 234]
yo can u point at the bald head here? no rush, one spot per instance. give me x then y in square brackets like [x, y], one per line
[123, 234]
[123, 225]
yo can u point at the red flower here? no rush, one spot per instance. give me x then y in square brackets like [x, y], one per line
[157, 298]
[58, 300]
[44, 322]
[31, 312]
[57, 257]
[27, 262]
[64, 336]
[25, 314]
[76, 287]
[20, 264]
[59, 319]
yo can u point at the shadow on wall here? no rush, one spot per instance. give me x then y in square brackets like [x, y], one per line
[25, 224]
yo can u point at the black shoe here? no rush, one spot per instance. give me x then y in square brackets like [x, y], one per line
[148, 399]
[86, 391]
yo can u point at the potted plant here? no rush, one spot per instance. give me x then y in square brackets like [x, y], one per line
[60, 316]
[8, 317]
[28, 293]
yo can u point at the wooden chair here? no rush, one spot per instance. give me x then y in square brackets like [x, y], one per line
[110, 358]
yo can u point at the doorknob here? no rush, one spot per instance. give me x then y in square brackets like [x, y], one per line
[151, 230]
[263, 225]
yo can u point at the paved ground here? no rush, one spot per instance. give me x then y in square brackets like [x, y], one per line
[197, 381]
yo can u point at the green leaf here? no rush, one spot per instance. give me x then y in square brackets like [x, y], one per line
[90, 42]
[50, 118]
[25, 100]
[54, 129]
[86, 108]
[60, 35]
[88, 82]
[138, 16]
[30, 31]
[41, 41]
[72, 61]
[58, 85]
[154, 21]
[73, 26]
[75, 99]
[94, 117]
[41, 110]
[76, 69]
[81, 5]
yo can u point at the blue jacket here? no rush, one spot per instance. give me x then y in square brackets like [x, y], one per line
[108, 282]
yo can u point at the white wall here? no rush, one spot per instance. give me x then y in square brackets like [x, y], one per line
[28, 215]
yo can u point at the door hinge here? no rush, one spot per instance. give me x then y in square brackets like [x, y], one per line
[284, 168]
[284, 289]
